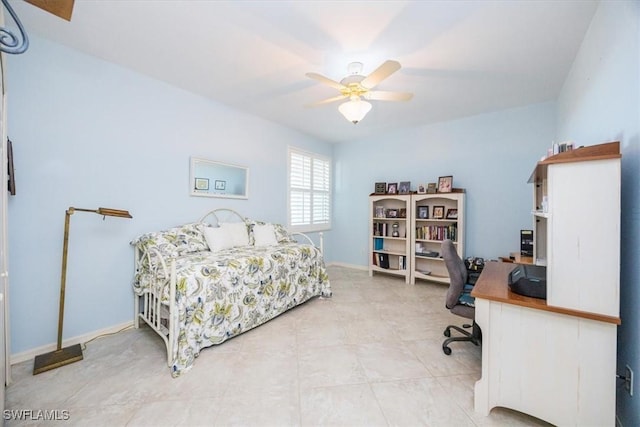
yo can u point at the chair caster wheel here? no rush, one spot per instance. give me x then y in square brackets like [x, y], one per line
[447, 332]
[446, 350]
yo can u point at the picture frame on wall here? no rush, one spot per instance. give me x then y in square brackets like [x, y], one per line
[445, 184]
[438, 212]
[201, 184]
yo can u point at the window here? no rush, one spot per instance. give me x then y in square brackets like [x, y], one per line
[309, 191]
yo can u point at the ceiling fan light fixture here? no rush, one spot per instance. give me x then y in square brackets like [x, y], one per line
[355, 109]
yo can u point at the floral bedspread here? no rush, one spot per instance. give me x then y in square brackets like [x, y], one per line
[222, 294]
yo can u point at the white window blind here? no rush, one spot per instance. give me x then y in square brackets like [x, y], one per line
[309, 191]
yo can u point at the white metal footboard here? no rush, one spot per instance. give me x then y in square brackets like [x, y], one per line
[149, 306]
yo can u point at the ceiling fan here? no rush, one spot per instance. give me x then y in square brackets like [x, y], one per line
[356, 86]
[60, 8]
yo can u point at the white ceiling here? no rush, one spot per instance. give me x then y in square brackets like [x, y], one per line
[459, 58]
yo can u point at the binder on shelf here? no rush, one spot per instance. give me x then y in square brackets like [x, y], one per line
[384, 260]
[378, 244]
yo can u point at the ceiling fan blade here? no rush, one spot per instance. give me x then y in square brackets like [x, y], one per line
[381, 95]
[60, 8]
[327, 101]
[380, 73]
[325, 80]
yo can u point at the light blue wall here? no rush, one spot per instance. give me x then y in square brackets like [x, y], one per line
[600, 101]
[90, 134]
[490, 155]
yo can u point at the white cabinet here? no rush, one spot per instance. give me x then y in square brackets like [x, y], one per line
[390, 234]
[577, 227]
[435, 217]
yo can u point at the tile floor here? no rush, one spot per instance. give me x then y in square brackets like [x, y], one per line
[369, 356]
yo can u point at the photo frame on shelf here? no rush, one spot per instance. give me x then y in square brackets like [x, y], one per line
[438, 212]
[432, 188]
[392, 188]
[380, 212]
[423, 212]
[392, 213]
[422, 188]
[381, 188]
[452, 214]
[402, 213]
[201, 184]
[220, 185]
[405, 187]
[445, 184]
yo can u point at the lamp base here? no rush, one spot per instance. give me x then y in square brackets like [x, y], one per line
[57, 358]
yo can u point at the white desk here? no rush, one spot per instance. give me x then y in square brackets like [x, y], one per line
[555, 364]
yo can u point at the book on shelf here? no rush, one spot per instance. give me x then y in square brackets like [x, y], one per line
[428, 254]
[380, 229]
[437, 232]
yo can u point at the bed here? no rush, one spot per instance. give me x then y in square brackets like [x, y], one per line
[202, 283]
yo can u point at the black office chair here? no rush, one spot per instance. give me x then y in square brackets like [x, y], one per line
[458, 300]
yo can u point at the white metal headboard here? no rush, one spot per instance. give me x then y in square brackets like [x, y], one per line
[222, 215]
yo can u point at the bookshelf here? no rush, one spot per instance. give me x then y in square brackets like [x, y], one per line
[432, 221]
[390, 235]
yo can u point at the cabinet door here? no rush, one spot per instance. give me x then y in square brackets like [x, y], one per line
[584, 236]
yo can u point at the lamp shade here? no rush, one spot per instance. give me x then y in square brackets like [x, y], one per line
[355, 109]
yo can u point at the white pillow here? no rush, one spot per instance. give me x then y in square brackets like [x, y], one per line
[237, 233]
[217, 238]
[264, 235]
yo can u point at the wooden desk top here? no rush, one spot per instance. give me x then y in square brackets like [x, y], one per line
[492, 285]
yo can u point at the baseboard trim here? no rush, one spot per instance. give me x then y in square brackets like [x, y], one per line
[353, 266]
[31, 354]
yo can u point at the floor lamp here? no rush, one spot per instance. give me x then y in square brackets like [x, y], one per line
[64, 356]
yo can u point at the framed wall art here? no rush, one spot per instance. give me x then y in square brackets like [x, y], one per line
[201, 184]
[445, 184]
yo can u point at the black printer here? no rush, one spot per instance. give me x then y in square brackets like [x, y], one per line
[529, 280]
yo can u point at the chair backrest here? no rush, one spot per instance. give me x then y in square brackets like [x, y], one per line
[457, 272]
